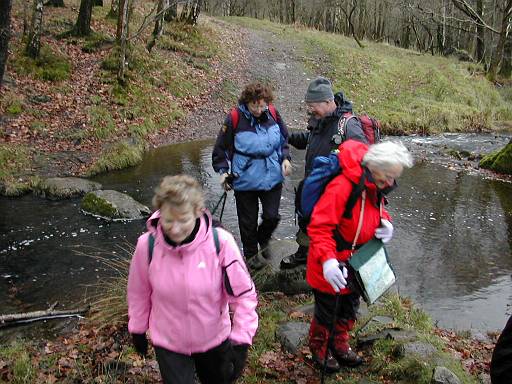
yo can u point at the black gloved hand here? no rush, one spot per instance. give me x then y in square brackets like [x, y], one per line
[239, 358]
[140, 342]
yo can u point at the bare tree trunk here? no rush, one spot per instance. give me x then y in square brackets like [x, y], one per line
[159, 24]
[498, 54]
[122, 37]
[172, 12]
[348, 16]
[34, 37]
[83, 21]
[50, 313]
[97, 3]
[480, 33]
[506, 63]
[5, 34]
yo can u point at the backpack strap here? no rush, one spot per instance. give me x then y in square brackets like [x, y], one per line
[235, 117]
[273, 112]
[357, 190]
[342, 124]
[216, 240]
[151, 245]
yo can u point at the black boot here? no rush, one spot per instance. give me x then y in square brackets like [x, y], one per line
[298, 258]
[265, 230]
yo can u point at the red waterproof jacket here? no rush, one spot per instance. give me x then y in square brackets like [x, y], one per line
[328, 216]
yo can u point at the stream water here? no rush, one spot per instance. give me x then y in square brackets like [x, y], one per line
[452, 247]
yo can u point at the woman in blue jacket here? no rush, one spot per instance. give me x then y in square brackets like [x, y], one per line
[251, 155]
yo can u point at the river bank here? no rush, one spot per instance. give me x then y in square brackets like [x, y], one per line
[102, 352]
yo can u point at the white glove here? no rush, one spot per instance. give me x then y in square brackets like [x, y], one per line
[385, 231]
[227, 186]
[334, 275]
[286, 167]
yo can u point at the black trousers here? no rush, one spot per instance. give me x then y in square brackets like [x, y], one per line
[247, 209]
[325, 304]
[212, 367]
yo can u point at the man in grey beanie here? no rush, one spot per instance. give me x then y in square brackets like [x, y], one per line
[321, 138]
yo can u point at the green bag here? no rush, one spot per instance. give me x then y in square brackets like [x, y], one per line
[373, 272]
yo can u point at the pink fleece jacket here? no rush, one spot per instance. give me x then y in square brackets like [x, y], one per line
[181, 297]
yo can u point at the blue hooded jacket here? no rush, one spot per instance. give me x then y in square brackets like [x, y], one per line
[254, 151]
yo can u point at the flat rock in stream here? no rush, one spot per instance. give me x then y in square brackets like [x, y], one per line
[55, 188]
[113, 205]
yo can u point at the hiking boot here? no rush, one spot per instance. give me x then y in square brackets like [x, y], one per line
[348, 358]
[331, 366]
[318, 339]
[265, 251]
[292, 261]
[341, 348]
[256, 263]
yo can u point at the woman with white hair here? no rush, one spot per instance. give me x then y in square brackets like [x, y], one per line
[333, 231]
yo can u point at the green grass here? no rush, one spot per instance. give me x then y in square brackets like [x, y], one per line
[102, 124]
[96, 41]
[409, 92]
[12, 103]
[14, 160]
[387, 357]
[49, 66]
[117, 156]
[23, 371]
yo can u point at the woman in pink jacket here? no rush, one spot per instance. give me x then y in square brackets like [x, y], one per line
[185, 277]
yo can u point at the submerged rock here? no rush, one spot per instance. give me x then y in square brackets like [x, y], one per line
[113, 205]
[55, 188]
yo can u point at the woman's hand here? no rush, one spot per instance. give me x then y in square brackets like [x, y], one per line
[335, 275]
[286, 167]
[140, 342]
[226, 182]
[385, 231]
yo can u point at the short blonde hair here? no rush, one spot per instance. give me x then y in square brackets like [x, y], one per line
[180, 191]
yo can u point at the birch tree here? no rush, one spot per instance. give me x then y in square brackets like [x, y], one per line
[122, 37]
[34, 37]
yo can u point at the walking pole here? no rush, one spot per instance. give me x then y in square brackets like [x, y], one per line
[223, 205]
[331, 336]
[223, 197]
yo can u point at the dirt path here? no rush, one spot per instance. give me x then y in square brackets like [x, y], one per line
[263, 56]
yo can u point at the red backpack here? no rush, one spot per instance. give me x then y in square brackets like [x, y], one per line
[235, 115]
[371, 127]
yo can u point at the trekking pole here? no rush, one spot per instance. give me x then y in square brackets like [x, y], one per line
[331, 336]
[223, 199]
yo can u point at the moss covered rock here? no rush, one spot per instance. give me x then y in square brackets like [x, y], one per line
[113, 205]
[500, 161]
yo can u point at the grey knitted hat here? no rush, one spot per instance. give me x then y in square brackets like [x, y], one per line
[319, 90]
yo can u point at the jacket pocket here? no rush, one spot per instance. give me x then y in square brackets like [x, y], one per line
[241, 163]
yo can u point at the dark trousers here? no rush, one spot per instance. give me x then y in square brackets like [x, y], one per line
[325, 303]
[212, 367]
[247, 209]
